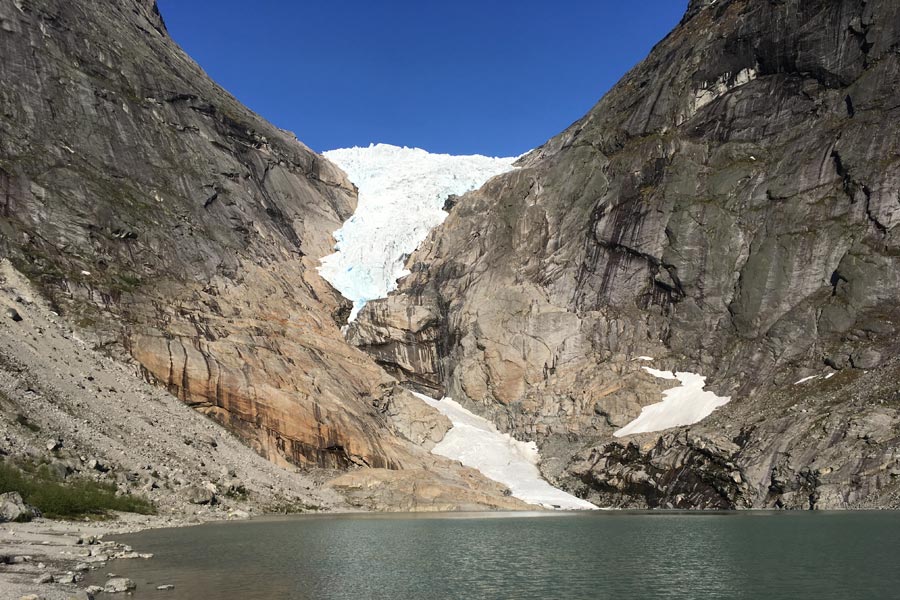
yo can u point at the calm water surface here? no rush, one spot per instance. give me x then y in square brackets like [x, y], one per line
[613, 555]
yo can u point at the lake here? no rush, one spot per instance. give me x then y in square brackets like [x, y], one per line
[597, 555]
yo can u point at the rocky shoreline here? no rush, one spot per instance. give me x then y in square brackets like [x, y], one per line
[48, 559]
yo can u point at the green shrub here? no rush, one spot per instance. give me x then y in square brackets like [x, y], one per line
[78, 498]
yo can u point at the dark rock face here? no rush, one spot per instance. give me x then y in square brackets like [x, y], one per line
[729, 208]
[156, 210]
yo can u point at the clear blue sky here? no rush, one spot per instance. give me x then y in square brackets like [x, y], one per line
[461, 76]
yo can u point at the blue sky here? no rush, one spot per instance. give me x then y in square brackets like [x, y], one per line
[463, 77]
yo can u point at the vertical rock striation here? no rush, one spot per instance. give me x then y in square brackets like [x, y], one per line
[730, 208]
[183, 232]
[137, 191]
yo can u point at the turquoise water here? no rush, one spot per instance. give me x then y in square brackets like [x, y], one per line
[613, 555]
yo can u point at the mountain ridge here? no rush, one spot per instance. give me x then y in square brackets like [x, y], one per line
[727, 209]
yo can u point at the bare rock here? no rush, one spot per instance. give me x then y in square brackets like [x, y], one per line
[13, 508]
[196, 494]
[119, 585]
[738, 220]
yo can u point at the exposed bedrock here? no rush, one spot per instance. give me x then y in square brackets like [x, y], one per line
[184, 232]
[729, 208]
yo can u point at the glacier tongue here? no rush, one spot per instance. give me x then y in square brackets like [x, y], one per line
[401, 197]
[476, 442]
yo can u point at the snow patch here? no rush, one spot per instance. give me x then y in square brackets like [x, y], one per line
[645, 358]
[476, 442]
[686, 404]
[401, 198]
[805, 379]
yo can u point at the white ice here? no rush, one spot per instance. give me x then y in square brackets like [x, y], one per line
[686, 404]
[476, 442]
[401, 195]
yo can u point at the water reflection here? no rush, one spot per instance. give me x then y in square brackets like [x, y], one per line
[610, 555]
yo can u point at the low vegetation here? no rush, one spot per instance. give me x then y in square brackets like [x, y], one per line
[75, 498]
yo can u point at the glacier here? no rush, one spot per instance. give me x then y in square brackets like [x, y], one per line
[401, 198]
[685, 404]
[475, 442]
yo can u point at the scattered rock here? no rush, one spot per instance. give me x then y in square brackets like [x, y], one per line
[13, 314]
[66, 578]
[53, 445]
[45, 578]
[96, 465]
[167, 586]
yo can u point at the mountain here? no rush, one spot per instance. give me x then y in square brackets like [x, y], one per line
[176, 231]
[729, 210]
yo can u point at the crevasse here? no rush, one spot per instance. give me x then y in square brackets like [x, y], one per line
[401, 198]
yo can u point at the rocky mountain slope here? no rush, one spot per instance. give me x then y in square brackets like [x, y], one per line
[178, 231]
[729, 208]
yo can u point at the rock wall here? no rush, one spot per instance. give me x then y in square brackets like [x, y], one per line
[182, 232]
[729, 208]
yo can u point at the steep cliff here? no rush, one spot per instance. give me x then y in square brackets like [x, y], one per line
[729, 208]
[183, 232]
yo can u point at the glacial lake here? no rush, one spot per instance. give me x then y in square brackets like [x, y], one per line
[598, 555]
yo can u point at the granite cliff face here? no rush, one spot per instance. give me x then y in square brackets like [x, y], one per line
[183, 232]
[729, 208]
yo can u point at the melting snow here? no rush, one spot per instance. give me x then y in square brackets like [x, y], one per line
[476, 442]
[683, 405]
[401, 197]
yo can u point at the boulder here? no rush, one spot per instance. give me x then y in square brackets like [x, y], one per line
[866, 359]
[118, 585]
[196, 494]
[13, 508]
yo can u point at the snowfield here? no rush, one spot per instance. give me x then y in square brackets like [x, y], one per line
[401, 198]
[684, 405]
[476, 442]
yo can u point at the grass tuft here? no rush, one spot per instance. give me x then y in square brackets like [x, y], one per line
[76, 499]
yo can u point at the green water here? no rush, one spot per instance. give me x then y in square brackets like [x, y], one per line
[611, 555]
